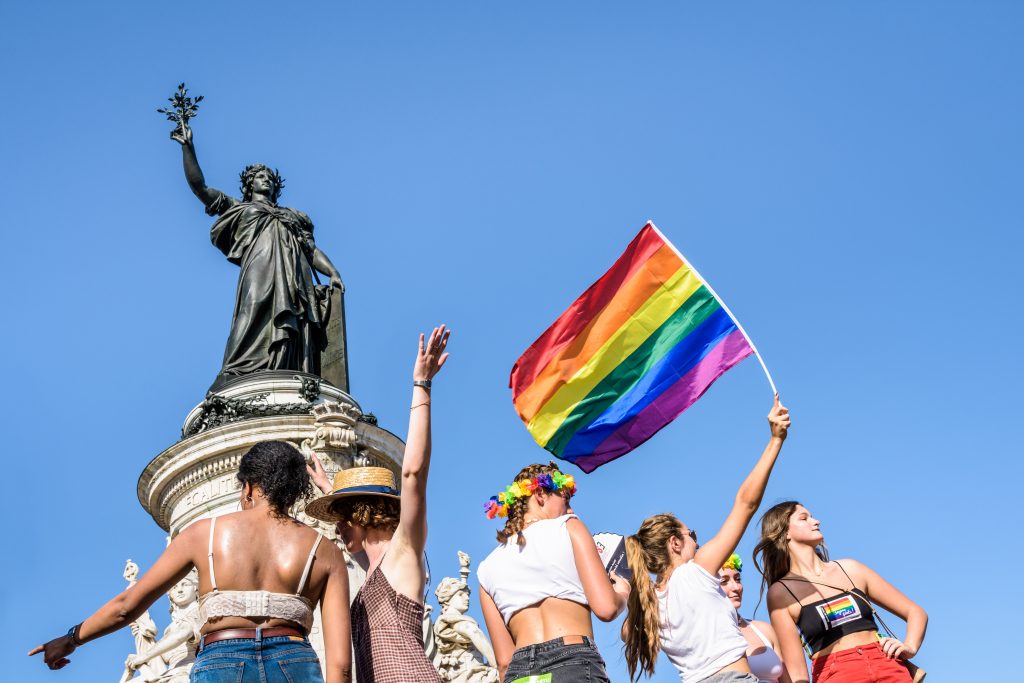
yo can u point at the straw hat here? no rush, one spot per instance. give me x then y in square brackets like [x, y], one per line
[355, 481]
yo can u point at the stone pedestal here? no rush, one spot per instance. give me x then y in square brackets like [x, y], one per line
[196, 478]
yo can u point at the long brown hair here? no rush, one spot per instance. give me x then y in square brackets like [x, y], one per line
[517, 511]
[771, 554]
[646, 553]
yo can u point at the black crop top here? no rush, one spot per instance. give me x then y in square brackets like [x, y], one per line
[825, 621]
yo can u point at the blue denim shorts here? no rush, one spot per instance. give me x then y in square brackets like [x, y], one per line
[555, 662]
[281, 659]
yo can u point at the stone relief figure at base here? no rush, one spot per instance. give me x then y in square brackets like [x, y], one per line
[281, 312]
[464, 655]
[144, 631]
[168, 660]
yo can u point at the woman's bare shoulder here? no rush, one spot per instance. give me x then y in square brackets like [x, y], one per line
[764, 627]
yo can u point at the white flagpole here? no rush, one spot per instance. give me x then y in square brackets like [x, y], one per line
[721, 303]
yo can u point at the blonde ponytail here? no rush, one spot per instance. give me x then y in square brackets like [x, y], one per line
[646, 554]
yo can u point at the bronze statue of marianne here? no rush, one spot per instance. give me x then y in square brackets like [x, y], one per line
[280, 316]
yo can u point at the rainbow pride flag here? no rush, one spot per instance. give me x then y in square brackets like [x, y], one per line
[639, 347]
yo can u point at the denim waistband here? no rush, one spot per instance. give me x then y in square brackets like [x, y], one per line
[550, 646]
[257, 643]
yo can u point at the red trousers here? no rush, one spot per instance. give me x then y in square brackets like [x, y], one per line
[864, 664]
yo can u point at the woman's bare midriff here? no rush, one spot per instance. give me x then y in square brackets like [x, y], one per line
[549, 619]
[242, 622]
[739, 665]
[848, 641]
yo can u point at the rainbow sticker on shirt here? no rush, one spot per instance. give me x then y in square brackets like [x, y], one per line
[839, 611]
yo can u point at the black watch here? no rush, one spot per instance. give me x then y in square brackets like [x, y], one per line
[73, 635]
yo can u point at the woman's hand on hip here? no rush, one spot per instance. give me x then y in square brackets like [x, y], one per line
[896, 649]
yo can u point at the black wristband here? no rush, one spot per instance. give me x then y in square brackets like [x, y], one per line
[73, 634]
[425, 383]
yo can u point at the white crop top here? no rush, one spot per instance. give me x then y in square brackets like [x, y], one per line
[518, 577]
[699, 631]
[765, 664]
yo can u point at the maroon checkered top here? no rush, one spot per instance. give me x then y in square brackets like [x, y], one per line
[387, 635]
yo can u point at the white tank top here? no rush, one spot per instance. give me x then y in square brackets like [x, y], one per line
[699, 632]
[516, 577]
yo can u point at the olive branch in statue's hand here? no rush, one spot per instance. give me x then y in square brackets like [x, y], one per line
[183, 109]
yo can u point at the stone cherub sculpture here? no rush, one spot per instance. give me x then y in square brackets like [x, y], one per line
[280, 314]
[464, 655]
[169, 659]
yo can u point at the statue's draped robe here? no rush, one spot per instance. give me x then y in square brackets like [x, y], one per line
[456, 654]
[276, 324]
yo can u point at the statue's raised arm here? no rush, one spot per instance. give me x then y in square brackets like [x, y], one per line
[193, 173]
[183, 107]
[281, 309]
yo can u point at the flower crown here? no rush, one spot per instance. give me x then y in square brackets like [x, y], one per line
[499, 505]
[734, 562]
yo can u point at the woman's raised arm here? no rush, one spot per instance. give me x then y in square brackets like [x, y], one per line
[713, 554]
[412, 521]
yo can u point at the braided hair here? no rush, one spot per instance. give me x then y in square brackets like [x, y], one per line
[515, 522]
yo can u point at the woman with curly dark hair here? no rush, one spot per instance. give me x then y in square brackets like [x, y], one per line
[261, 573]
[391, 528]
[540, 586]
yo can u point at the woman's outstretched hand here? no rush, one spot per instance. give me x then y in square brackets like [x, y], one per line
[55, 652]
[778, 420]
[431, 356]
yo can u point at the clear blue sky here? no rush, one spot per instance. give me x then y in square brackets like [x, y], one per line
[847, 175]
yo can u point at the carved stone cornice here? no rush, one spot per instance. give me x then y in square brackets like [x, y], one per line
[335, 428]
